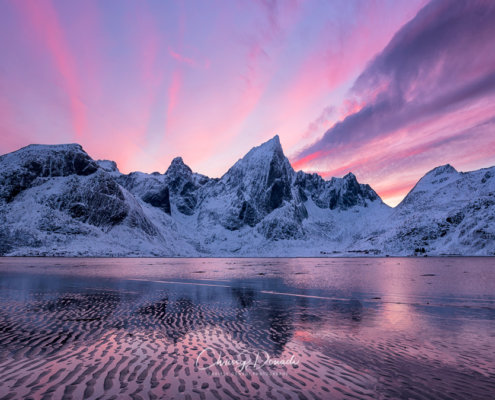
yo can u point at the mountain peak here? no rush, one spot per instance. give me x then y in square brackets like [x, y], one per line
[108, 165]
[265, 152]
[177, 160]
[350, 177]
[260, 182]
[443, 169]
[437, 175]
[51, 159]
[177, 166]
[275, 139]
[433, 180]
[273, 144]
[19, 169]
[49, 147]
[262, 160]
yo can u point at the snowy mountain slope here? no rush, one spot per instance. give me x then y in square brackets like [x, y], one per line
[257, 185]
[20, 169]
[179, 185]
[56, 200]
[447, 212]
[263, 192]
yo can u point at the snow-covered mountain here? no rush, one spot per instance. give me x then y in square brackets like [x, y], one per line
[447, 212]
[57, 200]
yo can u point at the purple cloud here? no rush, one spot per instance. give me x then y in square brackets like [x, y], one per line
[441, 61]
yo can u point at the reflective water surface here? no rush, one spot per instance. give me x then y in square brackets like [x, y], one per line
[247, 328]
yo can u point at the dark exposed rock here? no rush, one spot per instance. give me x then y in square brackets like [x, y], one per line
[302, 195]
[351, 194]
[160, 199]
[178, 169]
[279, 192]
[337, 193]
[183, 185]
[5, 239]
[177, 187]
[487, 176]
[255, 186]
[186, 200]
[279, 179]
[280, 229]
[101, 202]
[247, 214]
[455, 219]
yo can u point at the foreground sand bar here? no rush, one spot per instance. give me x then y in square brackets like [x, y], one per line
[247, 328]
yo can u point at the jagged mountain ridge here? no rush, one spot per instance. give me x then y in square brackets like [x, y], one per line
[56, 200]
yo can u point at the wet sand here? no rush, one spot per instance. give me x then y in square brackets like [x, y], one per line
[244, 328]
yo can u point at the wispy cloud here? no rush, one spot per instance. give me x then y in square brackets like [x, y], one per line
[43, 18]
[438, 63]
[208, 80]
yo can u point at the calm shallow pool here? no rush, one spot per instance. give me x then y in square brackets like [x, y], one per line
[247, 328]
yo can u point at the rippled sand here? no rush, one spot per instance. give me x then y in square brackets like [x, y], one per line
[142, 329]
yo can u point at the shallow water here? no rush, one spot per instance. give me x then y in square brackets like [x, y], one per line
[356, 328]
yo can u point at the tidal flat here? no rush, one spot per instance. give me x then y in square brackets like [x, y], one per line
[358, 328]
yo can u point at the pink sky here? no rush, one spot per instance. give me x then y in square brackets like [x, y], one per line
[143, 82]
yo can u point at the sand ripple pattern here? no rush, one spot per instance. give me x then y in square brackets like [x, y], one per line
[142, 342]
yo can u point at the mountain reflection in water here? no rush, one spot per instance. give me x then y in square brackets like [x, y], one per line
[367, 328]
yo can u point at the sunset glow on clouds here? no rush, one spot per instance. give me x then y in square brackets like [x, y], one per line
[385, 89]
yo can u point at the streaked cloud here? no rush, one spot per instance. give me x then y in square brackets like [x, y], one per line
[439, 68]
[42, 17]
[384, 89]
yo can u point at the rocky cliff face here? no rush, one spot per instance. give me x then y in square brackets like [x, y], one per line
[56, 200]
[184, 186]
[337, 193]
[176, 189]
[32, 164]
[254, 187]
[52, 197]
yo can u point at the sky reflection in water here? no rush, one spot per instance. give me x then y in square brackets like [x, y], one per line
[357, 326]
